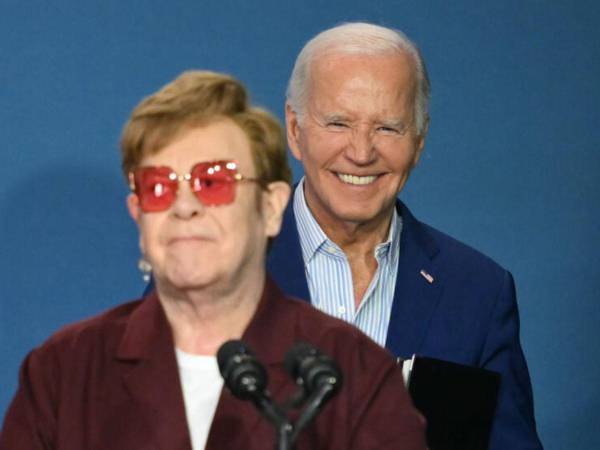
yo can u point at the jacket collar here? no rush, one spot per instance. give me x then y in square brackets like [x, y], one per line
[148, 334]
[284, 260]
[151, 377]
[415, 297]
[419, 286]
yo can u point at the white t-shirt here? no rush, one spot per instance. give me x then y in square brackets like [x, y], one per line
[201, 383]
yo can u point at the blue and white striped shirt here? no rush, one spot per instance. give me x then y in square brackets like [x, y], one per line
[330, 278]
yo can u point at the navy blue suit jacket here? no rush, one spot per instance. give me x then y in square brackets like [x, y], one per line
[467, 314]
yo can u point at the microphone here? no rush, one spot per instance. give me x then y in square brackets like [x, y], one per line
[318, 374]
[312, 369]
[247, 379]
[244, 376]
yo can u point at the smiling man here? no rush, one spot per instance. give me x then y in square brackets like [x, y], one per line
[357, 117]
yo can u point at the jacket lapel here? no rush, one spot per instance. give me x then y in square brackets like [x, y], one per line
[150, 376]
[285, 262]
[415, 296]
[418, 287]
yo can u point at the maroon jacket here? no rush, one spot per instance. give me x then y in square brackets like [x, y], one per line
[111, 382]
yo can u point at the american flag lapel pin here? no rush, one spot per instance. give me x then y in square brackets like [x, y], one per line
[426, 276]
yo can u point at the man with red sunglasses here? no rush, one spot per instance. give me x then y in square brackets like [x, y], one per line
[209, 180]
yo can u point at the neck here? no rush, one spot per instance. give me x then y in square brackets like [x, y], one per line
[203, 319]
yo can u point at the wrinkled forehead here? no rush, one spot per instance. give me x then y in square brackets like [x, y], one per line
[400, 61]
[382, 84]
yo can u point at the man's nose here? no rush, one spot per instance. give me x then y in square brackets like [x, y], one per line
[361, 146]
[186, 204]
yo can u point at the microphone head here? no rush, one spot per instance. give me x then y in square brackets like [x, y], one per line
[244, 376]
[296, 356]
[310, 368]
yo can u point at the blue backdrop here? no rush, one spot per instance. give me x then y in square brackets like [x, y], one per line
[511, 164]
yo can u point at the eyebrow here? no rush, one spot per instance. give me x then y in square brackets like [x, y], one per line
[394, 123]
[335, 118]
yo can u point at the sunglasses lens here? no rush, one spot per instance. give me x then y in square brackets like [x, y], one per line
[214, 182]
[155, 190]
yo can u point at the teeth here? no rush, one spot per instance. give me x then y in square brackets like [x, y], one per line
[353, 179]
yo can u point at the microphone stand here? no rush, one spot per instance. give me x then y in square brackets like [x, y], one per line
[286, 432]
[283, 427]
[284, 437]
[314, 403]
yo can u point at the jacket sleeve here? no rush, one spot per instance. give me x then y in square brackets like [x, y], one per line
[514, 424]
[30, 421]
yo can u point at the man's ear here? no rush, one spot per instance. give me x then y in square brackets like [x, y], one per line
[420, 142]
[275, 199]
[292, 127]
[133, 206]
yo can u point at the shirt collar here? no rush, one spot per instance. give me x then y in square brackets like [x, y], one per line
[391, 248]
[311, 234]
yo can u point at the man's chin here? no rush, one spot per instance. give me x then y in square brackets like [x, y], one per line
[185, 281]
[360, 212]
[356, 218]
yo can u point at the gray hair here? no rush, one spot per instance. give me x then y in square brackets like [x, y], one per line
[358, 38]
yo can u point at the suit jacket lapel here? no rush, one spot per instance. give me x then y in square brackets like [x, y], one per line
[284, 261]
[415, 297]
[418, 288]
[151, 377]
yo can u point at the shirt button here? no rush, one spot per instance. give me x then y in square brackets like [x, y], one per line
[331, 249]
[341, 310]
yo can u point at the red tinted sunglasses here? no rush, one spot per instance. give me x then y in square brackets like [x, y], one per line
[212, 182]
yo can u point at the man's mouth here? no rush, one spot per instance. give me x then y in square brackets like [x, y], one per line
[187, 239]
[356, 180]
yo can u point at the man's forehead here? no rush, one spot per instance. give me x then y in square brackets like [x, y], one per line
[328, 60]
[392, 74]
[387, 106]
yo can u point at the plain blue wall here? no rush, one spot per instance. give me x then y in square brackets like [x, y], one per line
[511, 163]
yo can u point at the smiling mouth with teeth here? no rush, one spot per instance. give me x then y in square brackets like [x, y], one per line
[356, 180]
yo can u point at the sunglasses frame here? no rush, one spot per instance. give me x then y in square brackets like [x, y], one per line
[230, 166]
